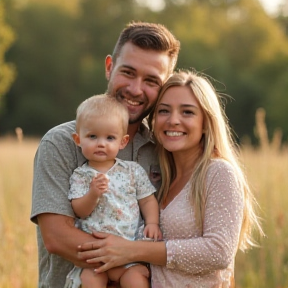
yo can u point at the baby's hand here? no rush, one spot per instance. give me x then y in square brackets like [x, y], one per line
[153, 231]
[99, 184]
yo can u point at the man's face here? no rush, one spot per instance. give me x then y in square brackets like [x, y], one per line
[135, 79]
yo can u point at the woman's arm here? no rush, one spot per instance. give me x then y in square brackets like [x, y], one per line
[115, 251]
[214, 247]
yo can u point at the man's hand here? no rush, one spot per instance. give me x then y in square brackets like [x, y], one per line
[61, 237]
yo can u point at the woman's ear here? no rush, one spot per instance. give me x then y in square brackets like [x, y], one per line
[124, 141]
[108, 66]
[76, 139]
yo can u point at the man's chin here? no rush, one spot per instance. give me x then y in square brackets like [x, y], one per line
[135, 120]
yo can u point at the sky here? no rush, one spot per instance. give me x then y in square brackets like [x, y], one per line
[271, 6]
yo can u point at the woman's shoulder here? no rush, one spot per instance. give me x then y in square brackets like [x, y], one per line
[220, 166]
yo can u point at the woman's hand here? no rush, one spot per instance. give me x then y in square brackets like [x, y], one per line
[108, 250]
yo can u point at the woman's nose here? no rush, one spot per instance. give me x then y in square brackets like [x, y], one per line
[174, 118]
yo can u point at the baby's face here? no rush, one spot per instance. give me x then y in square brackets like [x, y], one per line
[100, 138]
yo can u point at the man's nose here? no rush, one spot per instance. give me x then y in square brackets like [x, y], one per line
[136, 86]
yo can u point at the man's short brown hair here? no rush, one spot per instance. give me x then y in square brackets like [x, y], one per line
[149, 36]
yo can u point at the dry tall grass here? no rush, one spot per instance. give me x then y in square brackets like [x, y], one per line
[18, 249]
[267, 170]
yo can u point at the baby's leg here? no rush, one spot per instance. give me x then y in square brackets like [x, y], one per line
[136, 276]
[115, 274]
[90, 279]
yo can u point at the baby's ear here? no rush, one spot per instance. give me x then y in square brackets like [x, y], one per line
[76, 139]
[124, 141]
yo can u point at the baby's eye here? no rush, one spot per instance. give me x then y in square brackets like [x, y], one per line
[110, 137]
[92, 136]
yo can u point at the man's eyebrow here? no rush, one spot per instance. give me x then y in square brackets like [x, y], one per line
[128, 67]
[150, 76]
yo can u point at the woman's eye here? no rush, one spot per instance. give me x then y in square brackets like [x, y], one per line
[188, 112]
[162, 111]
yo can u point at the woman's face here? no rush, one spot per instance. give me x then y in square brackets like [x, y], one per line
[179, 120]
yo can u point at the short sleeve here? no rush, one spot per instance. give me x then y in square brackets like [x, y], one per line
[143, 186]
[56, 158]
[79, 183]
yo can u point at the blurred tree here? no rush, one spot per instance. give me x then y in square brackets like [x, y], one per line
[233, 41]
[61, 50]
[47, 56]
[7, 70]
[99, 26]
[254, 45]
[275, 79]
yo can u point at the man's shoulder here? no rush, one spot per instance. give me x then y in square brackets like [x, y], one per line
[60, 132]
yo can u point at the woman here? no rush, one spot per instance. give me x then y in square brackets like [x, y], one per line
[206, 207]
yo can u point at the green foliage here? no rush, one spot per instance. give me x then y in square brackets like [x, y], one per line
[60, 53]
[233, 43]
[7, 70]
[47, 57]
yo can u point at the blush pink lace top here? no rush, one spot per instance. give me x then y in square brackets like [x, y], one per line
[197, 259]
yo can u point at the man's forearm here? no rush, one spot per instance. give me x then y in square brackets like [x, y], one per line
[61, 237]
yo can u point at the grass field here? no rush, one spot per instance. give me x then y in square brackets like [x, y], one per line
[265, 267]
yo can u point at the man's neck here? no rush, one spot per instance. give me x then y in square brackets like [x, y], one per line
[132, 130]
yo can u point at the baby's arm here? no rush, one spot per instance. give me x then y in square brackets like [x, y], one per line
[150, 211]
[85, 205]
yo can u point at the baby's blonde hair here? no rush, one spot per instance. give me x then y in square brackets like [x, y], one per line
[102, 105]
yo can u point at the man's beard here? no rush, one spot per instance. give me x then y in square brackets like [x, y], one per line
[141, 116]
[118, 96]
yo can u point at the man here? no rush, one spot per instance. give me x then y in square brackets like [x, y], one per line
[144, 56]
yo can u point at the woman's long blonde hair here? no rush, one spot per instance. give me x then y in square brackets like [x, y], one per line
[216, 142]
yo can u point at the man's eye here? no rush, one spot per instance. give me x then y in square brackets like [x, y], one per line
[127, 72]
[152, 83]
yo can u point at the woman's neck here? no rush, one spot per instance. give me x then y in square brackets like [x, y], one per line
[185, 162]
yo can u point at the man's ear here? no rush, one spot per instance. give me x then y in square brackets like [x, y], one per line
[124, 141]
[108, 66]
[76, 139]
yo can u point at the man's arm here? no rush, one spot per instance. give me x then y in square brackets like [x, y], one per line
[61, 237]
